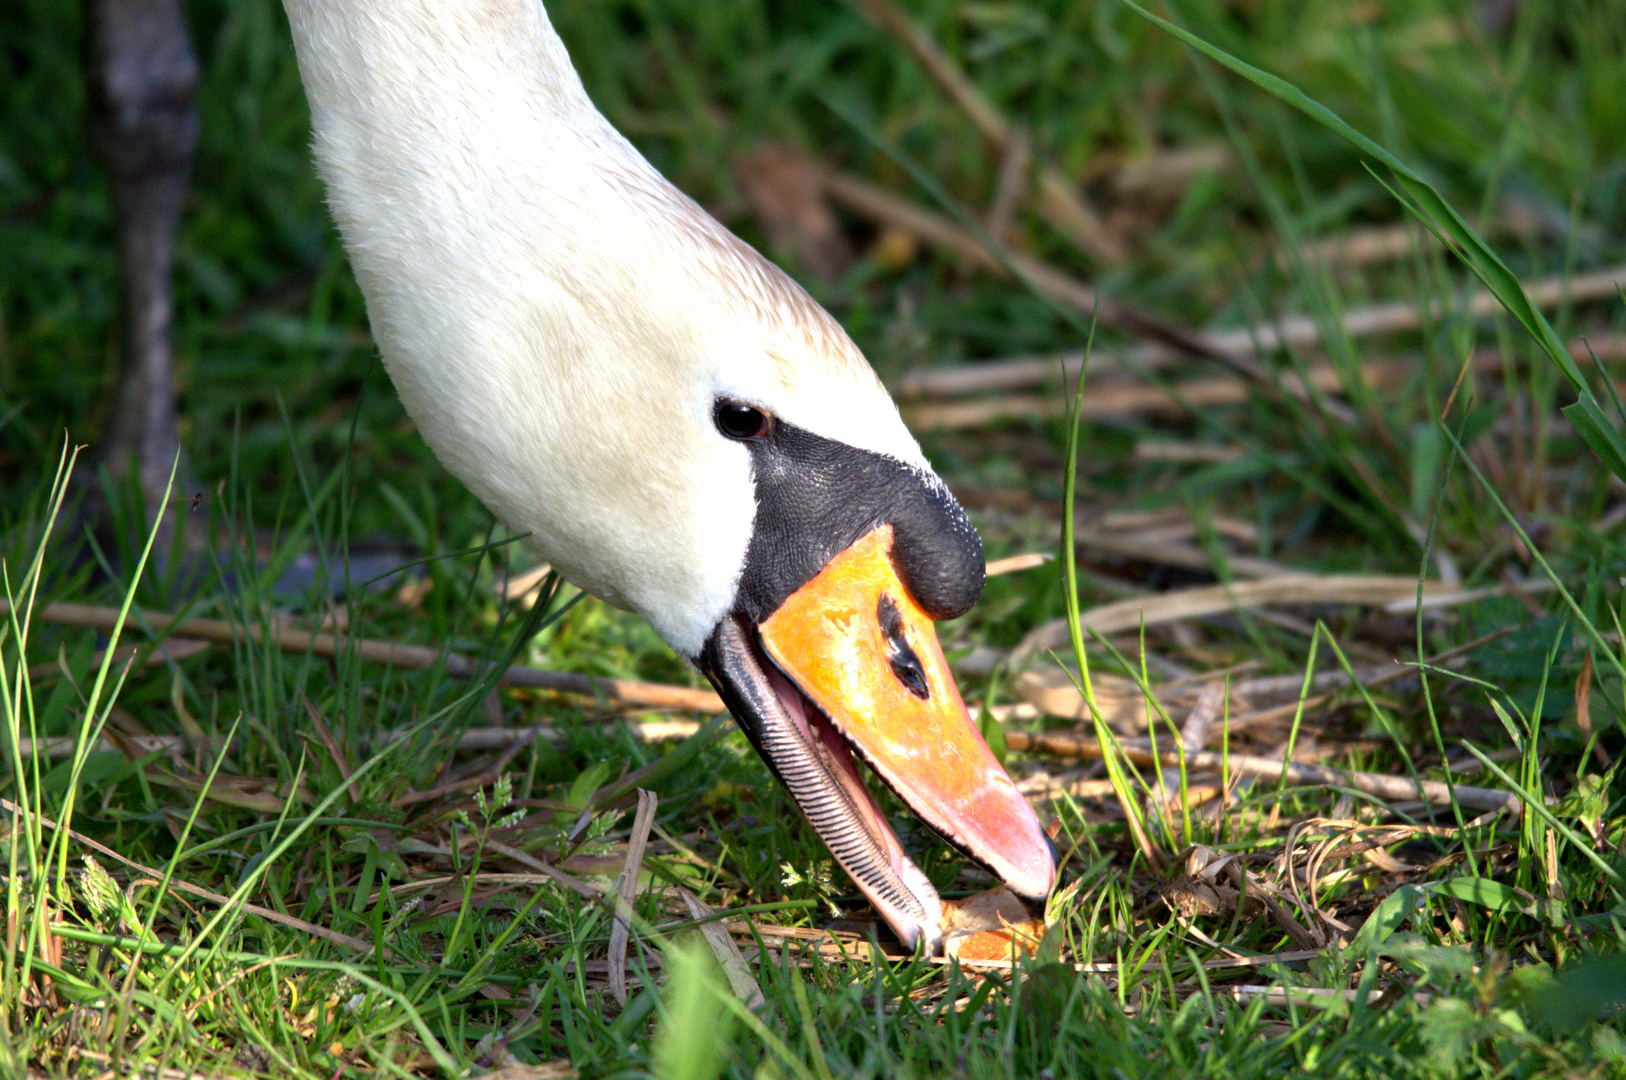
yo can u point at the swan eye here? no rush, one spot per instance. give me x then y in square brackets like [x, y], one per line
[737, 421]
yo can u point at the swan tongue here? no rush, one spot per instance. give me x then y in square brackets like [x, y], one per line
[855, 643]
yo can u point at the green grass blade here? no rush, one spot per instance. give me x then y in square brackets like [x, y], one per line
[1439, 216]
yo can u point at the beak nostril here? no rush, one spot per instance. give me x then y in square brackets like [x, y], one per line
[906, 666]
[901, 655]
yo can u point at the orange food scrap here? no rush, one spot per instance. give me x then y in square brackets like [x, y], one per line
[990, 926]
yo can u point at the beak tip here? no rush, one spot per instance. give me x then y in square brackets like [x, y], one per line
[1036, 885]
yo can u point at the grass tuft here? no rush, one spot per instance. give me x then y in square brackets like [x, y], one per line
[1292, 330]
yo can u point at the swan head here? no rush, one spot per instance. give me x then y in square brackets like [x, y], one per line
[671, 421]
[827, 656]
[755, 496]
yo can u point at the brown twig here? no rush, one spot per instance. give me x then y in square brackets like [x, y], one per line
[1136, 398]
[1205, 600]
[495, 738]
[1059, 199]
[627, 891]
[877, 203]
[1381, 785]
[1299, 332]
[392, 654]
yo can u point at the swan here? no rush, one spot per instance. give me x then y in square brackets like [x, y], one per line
[677, 427]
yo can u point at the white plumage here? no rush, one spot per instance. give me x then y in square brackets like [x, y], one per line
[557, 318]
[575, 339]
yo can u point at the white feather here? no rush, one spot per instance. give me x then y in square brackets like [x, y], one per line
[557, 318]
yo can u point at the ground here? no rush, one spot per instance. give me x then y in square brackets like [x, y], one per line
[1335, 507]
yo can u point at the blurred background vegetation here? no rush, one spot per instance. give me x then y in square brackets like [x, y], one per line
[818, 133]
[1204, 188]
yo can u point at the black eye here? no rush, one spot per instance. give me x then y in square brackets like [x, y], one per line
[738, 421]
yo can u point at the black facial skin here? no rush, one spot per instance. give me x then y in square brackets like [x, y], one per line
[815, 496]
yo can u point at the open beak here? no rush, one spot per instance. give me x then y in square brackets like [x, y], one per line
[849, 663]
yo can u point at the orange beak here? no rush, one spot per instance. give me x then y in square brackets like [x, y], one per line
[859, 648]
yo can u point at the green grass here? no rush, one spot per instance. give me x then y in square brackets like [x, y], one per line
[321, 905]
